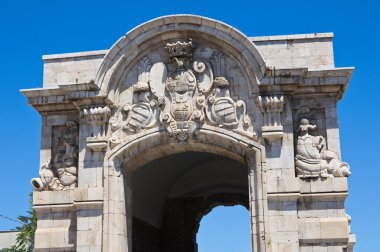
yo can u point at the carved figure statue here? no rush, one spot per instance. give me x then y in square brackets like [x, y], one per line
[61, 172]
[313, 159]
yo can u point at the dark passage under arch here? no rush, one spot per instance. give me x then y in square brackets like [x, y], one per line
[172, 194]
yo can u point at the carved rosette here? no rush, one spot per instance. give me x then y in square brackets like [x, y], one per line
[180, 95]
[61, 172]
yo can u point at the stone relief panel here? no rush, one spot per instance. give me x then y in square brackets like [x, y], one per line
[315, 115]
[61, 172]
[313, 159]
[180, 89]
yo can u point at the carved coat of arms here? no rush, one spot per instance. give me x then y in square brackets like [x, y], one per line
[181, 95]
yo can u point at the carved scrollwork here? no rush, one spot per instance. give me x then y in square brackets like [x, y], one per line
[143, 112]
[181, 95]
[222, 110]
[61, 172]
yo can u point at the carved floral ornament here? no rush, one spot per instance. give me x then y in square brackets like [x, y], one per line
[180, 95]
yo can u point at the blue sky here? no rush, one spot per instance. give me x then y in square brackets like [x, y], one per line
[30, 29]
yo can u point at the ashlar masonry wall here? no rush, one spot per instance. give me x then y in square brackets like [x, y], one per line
[189, 84]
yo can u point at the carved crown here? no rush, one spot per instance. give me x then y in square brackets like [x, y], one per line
[180, 49]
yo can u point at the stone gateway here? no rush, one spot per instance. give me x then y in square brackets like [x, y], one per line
[183, 114]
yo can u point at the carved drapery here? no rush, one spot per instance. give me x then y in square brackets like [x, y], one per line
[180, 95]
[61, 172]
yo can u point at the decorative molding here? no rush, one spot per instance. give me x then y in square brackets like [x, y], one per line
[271, 107]
[60, 173]
[96, 115]
[180, 95]
[97, 119]
[313, 159]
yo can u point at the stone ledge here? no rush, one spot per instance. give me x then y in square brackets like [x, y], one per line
[97, 144]
[323, 185]
[293, 196]
[323, 230]
[324, 196]
[53, 208]
[65, 97]
[53, 197]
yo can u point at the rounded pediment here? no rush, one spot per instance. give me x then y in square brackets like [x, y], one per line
[182, 73]
[209, 37]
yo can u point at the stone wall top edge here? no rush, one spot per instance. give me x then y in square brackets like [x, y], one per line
[336, 71]
[74, 54]
[33, 92]
[310, 36]
[307, 36]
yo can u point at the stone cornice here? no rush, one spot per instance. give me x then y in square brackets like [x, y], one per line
[66, 97]
[292, 82]
[302, 81]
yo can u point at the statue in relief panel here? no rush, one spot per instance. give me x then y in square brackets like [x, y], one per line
[312, 157]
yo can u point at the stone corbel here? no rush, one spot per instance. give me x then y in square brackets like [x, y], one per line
[97, 119]
[272, 107]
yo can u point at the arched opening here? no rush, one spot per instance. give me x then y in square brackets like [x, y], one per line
[225, 229]
[126, 77]
[172, 193]
[133, 154]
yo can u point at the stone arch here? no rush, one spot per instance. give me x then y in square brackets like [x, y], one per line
[218, 200]
[237, 110]
[158, 144]
[174, 108]
[131, 46]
